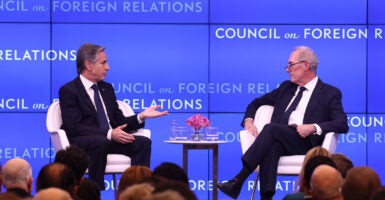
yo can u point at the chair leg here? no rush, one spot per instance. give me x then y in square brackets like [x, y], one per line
[254, 187]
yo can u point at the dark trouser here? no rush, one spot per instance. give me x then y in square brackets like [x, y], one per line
[274, 141]
[97, 148]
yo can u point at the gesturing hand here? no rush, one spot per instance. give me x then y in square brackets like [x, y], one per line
[121, 136]
[152, 112]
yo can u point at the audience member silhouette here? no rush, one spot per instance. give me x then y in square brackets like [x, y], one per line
[171, 171]
[312, 164]
[17, 177]
[343, 163]
[167, 194]
[360, 183]
[154, 180]
[326, 183]
[133, 175]
[74, 158]
[141, 191]
[88, 190]
[57, 175]
[303, 190]
[52, 193]
[178, 186]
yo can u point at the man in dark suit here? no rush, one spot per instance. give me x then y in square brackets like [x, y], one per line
[104, 130]
[293, 129]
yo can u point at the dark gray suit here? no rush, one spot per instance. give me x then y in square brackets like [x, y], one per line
[80, 122]
[275, 140]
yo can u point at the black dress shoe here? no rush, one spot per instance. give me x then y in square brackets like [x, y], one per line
[231, 188]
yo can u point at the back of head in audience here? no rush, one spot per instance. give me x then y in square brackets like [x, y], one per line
[315, 151]
[57, 175]
[88, 190]
[133, 175]
[140, 191]
[17, 177]
[360, 183]
[52, 194]
[342, 162]
[167, 194]
[178, 186]
[171, 171]
[313, 163]
[154, 181]
[75, 158]
[326, 183]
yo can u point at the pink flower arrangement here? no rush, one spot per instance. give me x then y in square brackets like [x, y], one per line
[198, 121]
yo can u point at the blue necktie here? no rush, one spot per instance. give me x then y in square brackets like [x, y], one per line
[285, 117]
[103, 122]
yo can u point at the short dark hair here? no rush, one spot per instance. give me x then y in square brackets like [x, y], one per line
[171, 171]
[88, 190]
[87, 52]
[343, 163]
[75, 158]
[177, 186]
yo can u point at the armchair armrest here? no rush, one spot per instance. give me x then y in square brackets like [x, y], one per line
[59, 139]
[330, 142]
[246, 140]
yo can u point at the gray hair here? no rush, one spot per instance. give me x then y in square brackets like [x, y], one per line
[16, 172]
[307, 54]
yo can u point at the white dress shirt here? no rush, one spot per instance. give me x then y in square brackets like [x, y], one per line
[296, 117]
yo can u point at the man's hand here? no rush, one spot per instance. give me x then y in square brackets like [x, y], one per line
[152, 112]
[305, 130]
[121, 136]
[249, 126]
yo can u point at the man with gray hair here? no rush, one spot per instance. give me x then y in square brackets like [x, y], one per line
[305, 109]
[17, 177]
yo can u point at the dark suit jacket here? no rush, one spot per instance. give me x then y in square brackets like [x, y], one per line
[324, 108]
[80, 116]
[20, 193]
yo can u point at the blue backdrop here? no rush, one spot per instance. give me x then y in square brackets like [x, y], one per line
[191, 56]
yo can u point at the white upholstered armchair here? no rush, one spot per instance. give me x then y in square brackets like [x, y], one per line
[288, 165]
[116, 163]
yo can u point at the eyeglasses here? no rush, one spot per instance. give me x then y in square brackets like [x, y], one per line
[291, 66]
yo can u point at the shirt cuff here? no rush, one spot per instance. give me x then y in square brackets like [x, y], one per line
[140, 121]
[318, 129]
[109, 134]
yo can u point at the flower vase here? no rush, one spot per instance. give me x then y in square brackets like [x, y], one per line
[197, 136]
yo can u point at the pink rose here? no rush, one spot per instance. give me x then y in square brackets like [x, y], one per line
[198, 121]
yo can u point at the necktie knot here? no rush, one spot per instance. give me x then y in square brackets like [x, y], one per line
[95, 87]
[301, 89]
